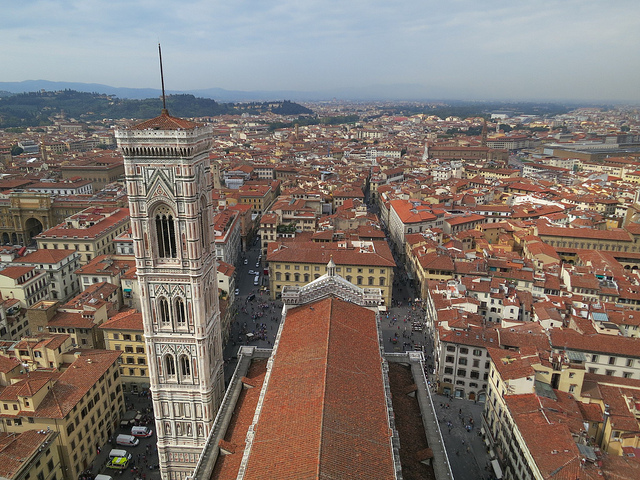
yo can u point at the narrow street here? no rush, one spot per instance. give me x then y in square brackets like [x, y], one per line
[464, 445]
[402, 328]
[256, 314]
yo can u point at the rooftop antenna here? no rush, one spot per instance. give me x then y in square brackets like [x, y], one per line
[164, 101]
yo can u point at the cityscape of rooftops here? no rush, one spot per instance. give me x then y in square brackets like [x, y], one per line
[396, 240]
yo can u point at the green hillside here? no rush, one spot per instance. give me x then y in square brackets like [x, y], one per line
[38, 108]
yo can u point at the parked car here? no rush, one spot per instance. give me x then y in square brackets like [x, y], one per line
[141, 431]
[117, 452]
[118, 463]
[237, 292]
[251, 272]
[246, 261]
[127, 440]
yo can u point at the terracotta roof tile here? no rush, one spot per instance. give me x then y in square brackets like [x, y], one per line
[324, 398]
[165, 122]
[126, 320]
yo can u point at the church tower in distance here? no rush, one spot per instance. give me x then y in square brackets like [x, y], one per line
[168, 178]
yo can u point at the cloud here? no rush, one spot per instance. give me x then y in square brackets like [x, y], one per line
[525, 49]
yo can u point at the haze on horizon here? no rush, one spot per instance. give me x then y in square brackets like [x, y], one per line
[545, 50]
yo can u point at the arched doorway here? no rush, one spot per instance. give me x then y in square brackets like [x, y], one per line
[14, 239]
[5, 238]
[33, 228]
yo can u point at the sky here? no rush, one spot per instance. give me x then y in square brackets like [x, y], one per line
[455, 49]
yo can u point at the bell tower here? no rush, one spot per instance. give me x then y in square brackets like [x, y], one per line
[168, 179]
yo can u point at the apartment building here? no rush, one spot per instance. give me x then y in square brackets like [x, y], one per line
[100, 170]
[534, 396]
[124, 332]
[90, 232]
[73, 186]
[80, 317]
[26, 284]
[82, 404]
[226, 226]
[613, 356]
[30, 454]
[463, 362]
[411, 216]
[268, 230]
[112, 269]
[365, 264]
[512, 377]
[342, 195]
[60, 268]
[13, 320]
[259, 196]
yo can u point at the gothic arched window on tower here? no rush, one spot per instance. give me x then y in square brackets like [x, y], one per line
[169, 366]
[166, 234]
[181, 318]
[185, 366]
[204, 225]
[163, 307]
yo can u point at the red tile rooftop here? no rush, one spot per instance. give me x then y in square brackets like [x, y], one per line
[15, 272]
[165, 122]
[125, 320]
[18, 449]
[322, 397]
[43, 255]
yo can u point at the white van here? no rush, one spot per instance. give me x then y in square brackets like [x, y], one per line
[103, 477]
[256, 280]
[141, 432]
[117, 453]
[127, 440]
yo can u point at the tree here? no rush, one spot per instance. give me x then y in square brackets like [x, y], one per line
[16, 150]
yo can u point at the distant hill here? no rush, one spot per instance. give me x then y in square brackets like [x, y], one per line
[36, 108]
[219, 94]
[397, 92]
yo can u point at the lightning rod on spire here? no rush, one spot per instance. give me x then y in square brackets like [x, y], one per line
[164, 101]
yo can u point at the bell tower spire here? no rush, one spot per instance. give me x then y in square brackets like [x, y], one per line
[167, 168]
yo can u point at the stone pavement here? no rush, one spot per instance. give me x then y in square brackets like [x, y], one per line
[466, 450]
[145, 455]
[465, 447]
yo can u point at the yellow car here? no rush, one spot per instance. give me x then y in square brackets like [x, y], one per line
[118, 463]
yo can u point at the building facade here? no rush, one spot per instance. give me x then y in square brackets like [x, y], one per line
[167, 169]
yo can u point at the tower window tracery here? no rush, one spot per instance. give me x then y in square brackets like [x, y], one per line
[169, 366]
[185, 366]
[163, 306]
[181, 318]
[165, 233]
[204, 224]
